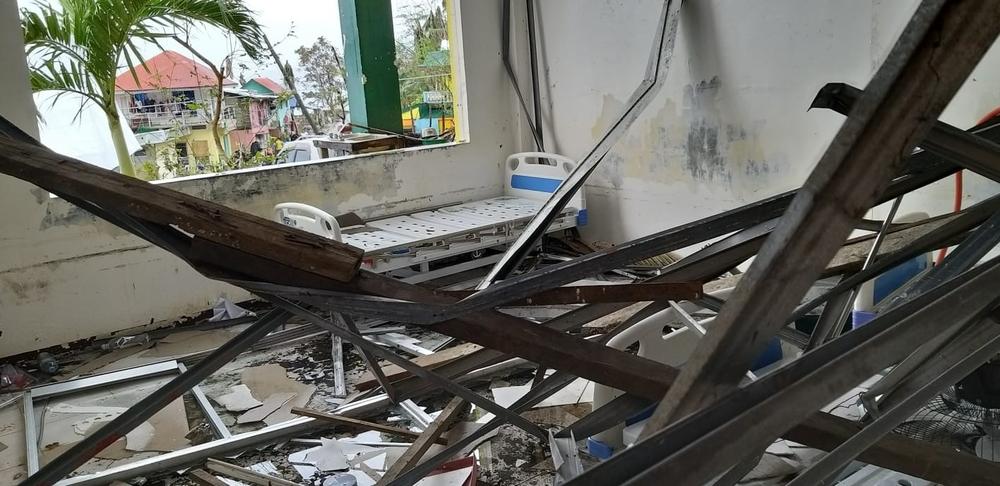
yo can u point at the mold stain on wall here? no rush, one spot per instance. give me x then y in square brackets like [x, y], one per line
[690, 144]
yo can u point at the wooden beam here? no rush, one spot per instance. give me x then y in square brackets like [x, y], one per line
[420, 446]
[248, 475]
[229, 227]
[430, 361]
[359, 424]
[205, 478]
[591, 294]
[940, 46]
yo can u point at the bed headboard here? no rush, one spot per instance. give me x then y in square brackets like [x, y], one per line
[526, 176]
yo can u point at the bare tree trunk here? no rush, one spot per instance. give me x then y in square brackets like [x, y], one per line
[291, 85]
[121, 149]
[343, 74]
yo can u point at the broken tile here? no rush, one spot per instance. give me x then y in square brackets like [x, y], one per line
[239, 399]
[271, 403]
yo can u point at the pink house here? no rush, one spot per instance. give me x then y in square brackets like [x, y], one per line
[252, 112]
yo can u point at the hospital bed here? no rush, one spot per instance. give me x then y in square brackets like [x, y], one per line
[406, 245]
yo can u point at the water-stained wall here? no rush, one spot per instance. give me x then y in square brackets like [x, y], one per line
[731, 124]
[65, 275]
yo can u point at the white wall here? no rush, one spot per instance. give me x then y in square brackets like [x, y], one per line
[730, 126]
[65, 275]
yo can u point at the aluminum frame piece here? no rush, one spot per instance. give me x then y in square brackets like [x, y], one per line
[80, 453]
[767, 408]
[661, 53]
[81, 385]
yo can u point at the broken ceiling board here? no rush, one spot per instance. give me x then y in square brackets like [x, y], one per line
[266, 380]
[116, 451]
[431, 361]
[270, 379]
[270, 405]
[93, 365]
[577, 391]
[284, 413]
[613, 319]
[239, 399]
[329, 456]
[189, 342]
[457, 477]
[206, 220]
[170, 427]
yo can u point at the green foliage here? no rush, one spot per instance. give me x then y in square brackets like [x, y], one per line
[79, 46]
[323, 80]
[148, 171]
[419, 67]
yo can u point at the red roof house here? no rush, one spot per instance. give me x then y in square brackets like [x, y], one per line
[168, 70]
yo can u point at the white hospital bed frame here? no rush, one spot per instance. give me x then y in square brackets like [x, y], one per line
[395, 245]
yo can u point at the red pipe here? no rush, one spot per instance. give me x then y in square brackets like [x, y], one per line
[959, 190]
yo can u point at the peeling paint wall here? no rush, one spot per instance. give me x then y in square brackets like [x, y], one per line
[65, 275]
[730, 125]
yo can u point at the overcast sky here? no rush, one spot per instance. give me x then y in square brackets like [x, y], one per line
[305, 20]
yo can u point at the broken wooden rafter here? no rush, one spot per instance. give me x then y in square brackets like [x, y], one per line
[248, 475]
[359, 424]
[203, 219]
[427, 438]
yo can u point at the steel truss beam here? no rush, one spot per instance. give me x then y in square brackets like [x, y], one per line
[977, 154]
[943, 42]
[978, 344]
[660, 56]
[765, 409]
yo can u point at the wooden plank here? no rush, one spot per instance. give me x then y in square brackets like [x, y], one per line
[359, 424]
[205, 478]
[940, 43]
[419, 447]
[853, 252]
[63, 175]
[590, 294]
[244, 474]
[431, 361]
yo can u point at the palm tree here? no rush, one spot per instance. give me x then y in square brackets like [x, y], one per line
[80, 46]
